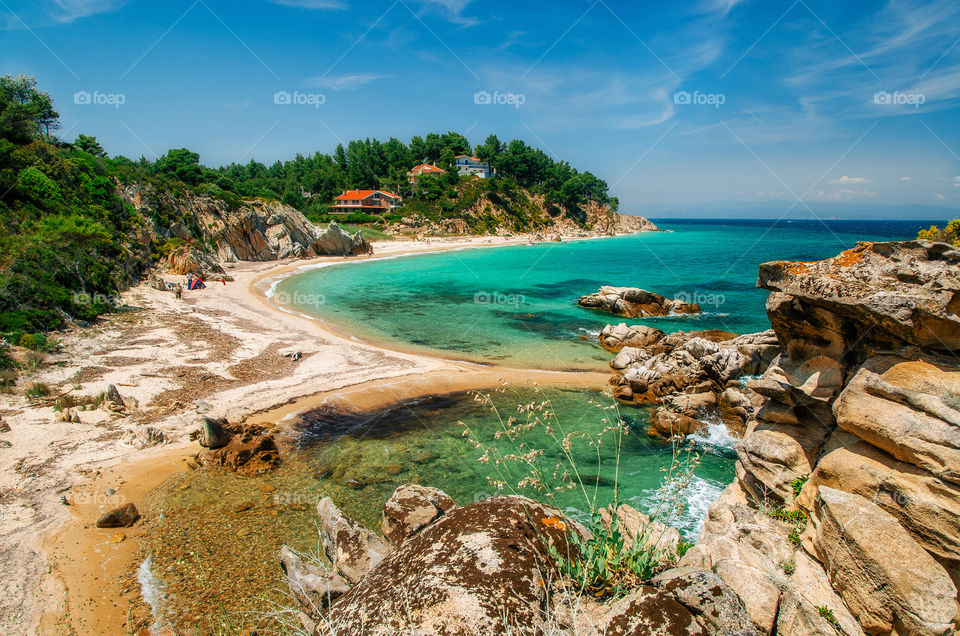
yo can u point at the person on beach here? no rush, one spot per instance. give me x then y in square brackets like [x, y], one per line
[179, 291]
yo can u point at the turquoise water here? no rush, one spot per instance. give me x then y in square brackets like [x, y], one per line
[516, 305]
[359, 460]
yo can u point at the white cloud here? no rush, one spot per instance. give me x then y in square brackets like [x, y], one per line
[452, 10]
[313, 4]
[904, 178]
[846, 180]
[844, 194]
[956, 182]
[345, 82]
[939, 197]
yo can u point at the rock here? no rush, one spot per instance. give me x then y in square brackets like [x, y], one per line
[352, 549]
[666, 423]
[410, 509]
[248, 451]
[652, 612]
[5, 444]
[709, 599]
[901, 407]
[144, 436]
[335, 242]
[311, 584]
[744, 548]
[804, 593]
[633, 302]
[475, 570]
[839, 296]
[616, 337]
[113, 397]
[928, 508]
[214, 433]
[886, 579]
[4, 427]
[121, 517]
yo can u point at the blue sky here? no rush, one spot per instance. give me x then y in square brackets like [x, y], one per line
[671, 103]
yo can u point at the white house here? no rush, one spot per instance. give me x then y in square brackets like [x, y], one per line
[467, 165]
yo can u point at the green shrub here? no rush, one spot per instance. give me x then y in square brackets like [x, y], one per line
[38, 390]
[38, 186]
[949, 234]
[797, 484]
[827, 613]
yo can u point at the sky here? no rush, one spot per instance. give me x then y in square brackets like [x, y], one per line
[678, 106]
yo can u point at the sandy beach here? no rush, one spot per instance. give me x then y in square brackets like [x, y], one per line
[226, 351]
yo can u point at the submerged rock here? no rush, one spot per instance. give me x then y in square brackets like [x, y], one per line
[352, 549]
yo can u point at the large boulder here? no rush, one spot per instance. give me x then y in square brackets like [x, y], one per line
[334, 241]
[650, 612]
[634, 302]
[709, 599]
[885, 577]
[616, 337]
[475, 570]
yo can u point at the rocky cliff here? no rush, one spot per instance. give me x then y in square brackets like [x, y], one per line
[213, 231]
[856, 444]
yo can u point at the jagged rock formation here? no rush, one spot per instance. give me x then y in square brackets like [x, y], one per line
[485, 568]
[693, 375]
[859, 429]
[633, 302]
[254, 230]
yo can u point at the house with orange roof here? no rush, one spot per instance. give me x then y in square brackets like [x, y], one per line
[424, 168]
[369, 201]
[468, 165]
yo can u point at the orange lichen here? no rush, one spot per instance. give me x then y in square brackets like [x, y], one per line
[554, 522]
[849, 258]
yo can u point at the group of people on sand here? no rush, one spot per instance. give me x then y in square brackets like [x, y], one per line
[194, 282]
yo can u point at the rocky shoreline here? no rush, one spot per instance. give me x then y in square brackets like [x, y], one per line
[843, 518]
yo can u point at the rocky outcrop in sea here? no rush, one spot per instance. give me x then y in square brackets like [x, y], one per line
[633, 302]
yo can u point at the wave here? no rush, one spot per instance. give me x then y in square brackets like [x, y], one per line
[153, 592]
[716, 438]
[687, 518]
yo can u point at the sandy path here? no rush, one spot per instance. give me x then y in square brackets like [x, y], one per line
[223, 351]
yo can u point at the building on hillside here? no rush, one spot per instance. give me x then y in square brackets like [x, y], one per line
[467, 165]
[424, 168]
[369, 201]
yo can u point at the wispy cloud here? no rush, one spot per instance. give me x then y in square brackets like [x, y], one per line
[451, 10]
[956, 182]
[345, 82]
[845, 180]
[313, 4]
[66, 11]
[939, 197]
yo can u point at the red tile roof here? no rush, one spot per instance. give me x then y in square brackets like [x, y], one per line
[476, 159]
[350, 195]
[427, 167]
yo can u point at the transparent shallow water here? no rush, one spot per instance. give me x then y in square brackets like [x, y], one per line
[516, 305]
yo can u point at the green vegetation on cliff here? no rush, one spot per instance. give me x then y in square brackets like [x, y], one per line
[949, 234]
